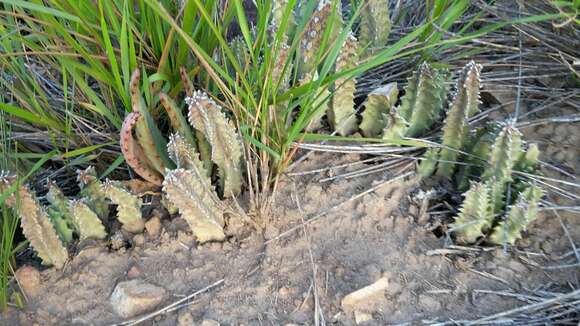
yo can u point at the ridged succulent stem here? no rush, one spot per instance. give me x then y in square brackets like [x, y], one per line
[35, 223]
[202, 144]
[143, 130]
[342, 115]
[134, 153]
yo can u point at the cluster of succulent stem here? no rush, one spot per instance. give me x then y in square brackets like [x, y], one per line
[202, 141]
[35, 222]
[482, 154]
[51, 229]
[206, 130]
[323, 28]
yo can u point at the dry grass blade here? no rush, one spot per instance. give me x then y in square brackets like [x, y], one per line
[532, 310]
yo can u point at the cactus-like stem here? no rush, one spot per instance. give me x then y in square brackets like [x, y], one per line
[278, 9]
[342, 116]
[202, 143]
[326, 15]
[62, 227]
[282, 69]
[378, 105]
[86, 221]
[528, 160]
[134, 153]
[35, 223]
[475, 214]
[395, 128]
[59, 212]
[502, 159]
[281, 74]
[478, 147]
[184, 154]
[177, 119]
[424, 99]
[241, 52]
[505, 152]
[319, 105]
[429, 163]
[520, 215]
[464, 106]
[57, 199]
[196, 202]
[206, 115]
[128, 206]
[92, 192]
[375, 25]
[145, 129]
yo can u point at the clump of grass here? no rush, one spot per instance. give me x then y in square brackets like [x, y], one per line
[66, 66]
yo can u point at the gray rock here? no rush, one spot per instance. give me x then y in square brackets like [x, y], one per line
[134, 297]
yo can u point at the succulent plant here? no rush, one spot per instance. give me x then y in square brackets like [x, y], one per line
[59, 213]
[62, 227]
[475, 214]
[226, 149]
[192, 193]
[503, 156]
[183, 154]
[281, 75]
[328, 14]
[477, 151]
[202, 145]
[128, 206]
[375, 25]
[424, 99]
[527, 160]
[35, 223]
[341, 115]
[87, 222]
[134, 153]
[396, 126]
[428, 164]
[278, 9]
[520, 215]
[464, 106]
[177, 119]
[148, 136]
[378, 105]
[319, 105]
[92, 192]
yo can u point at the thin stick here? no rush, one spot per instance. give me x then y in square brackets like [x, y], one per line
[169, 307]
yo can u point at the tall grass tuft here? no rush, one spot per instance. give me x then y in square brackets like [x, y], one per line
[66, 66]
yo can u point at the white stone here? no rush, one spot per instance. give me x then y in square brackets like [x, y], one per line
[135, 297]
[365, 296]
[362, 317]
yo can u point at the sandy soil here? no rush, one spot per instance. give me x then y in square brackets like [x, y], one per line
[272, 280]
